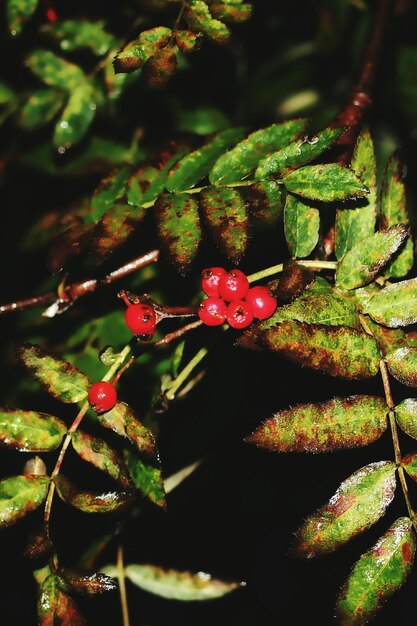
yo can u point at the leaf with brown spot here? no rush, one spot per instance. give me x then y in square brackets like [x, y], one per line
[179, 228]
[135, 53]
[402, 363]
[122, 420]
[358, 503]
[89, 502]
[101, 455]
[394, 305]
[293, 281]
[325, 183]
[324, 426]
[379, 573]
[187, 41]
[91, 584]
[56, 608]
[30, 431]
[226, 215]
[265, 201]
[115, 228]
[19, 495]
[61, 379]
[160, 67]
[110, 189]
[338, 351]
[406, 416]
[199, 18]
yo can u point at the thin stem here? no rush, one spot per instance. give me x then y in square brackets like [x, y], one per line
[178, 333]
[122, 586]
[278, 269]
[184, 374]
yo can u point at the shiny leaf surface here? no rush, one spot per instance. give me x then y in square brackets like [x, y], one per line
[327, 183]
[29, 431]
[19, 495]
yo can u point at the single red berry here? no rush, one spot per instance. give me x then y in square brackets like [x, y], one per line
[239, 314]
[262, 303]
[140, 319]
[233, 286]
[212, 311]
[102, 396]
[210, 279]
[51, 15]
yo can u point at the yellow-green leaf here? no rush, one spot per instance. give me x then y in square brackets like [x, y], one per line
[147, 477]
[406, 416]
[77, 115]
[301, 227]
[402, 363]
[326, 183]
[19, 495]
[199, 18]
[18, 12]
[79, 34]
[41, 107]
[55, 71]
[30, 431]
[135, 53]
[394, 305]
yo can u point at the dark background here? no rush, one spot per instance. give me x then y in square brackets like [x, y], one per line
[235, 517]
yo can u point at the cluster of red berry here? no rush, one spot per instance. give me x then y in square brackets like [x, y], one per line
[230, 299]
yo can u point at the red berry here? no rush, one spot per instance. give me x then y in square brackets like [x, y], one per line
[210, 279]
[233, 286]
[102, 396]
[140, 319]
[212, 311]
[262, 303]
[239, 314]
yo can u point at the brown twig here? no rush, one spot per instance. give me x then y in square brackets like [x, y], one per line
[162, 311]
[71, 293]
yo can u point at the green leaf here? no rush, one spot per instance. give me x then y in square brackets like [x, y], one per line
[101, 455]
[243, 158]
[179, 228]
[365, 260]
[198, 17]
[402, 363]
[201, 121]
[6, 94]
[19, 495]
[18, 12]
[78, 34]
[114, 228]
[377, 575]
[355, 224]
[338, 351]
[77, 116]
[187, 41]
[301, 227]
[325, 426]
[71, 581]
[265, 201]
[175, 585]
[231, 12]
[298, 153]
[55, 71]
[56, 607]
[91, 502]
[122, 420]
[28, 431]
[327, 183]
[394, 305]
[358, 503]
[406, 416]
[134, 54]
[111, 189]
[61, 379]
[394, 211]
[227, 217]
[147, 478]
[197, 164]
[41, 108]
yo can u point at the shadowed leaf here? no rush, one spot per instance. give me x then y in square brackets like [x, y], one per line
[56, 608]
[80, 34]
[147, 478]
[394, 211]
[358, 503]
[365, 260]
[197, 15]
[61, 379]
[338, 351]
[409, 463]
[71, 581]
[38, 544]
[378, 574]
[293, 281]
[29, 431]
[325, 426]
[19, 495]
[355, 224]
[231, 12]
[91, 502]
[18, 12]
[124, 422]
[101, 455]
[298, 153]
[114, 228]
[265, 201]
[402, 363]
[327, 183]
[77, 115]
[160, 67]
[395, 305]
[197, 164]
[55, 71]
[179, 228]
[406, 416]
[388, 339]
[111, 189]
[226, 214]
[301, 227]
[40, 108]
[243, 158]
[135, 53]
[187, 41]
[175, 585]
